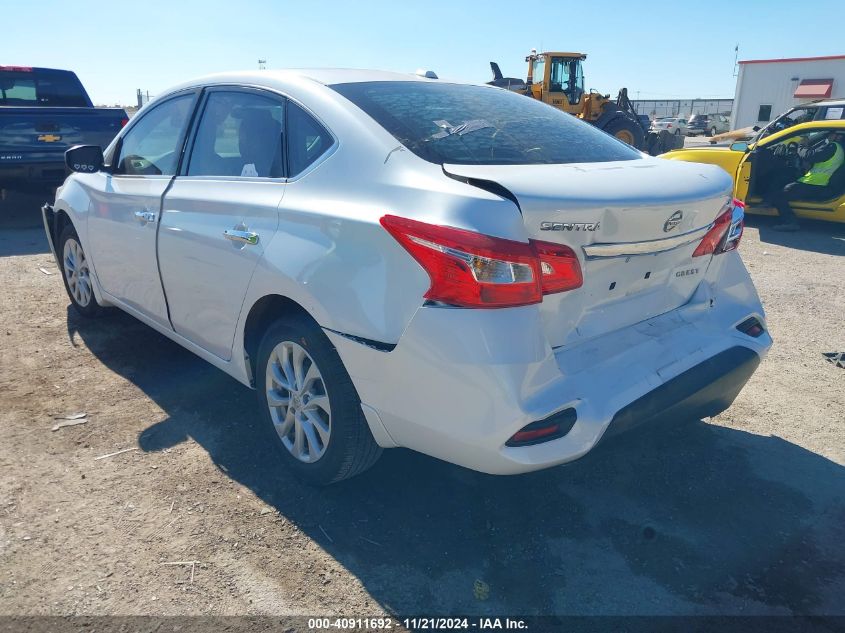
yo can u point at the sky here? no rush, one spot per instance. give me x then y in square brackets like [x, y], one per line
[657, 50]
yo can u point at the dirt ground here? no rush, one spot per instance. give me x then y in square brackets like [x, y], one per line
[742, 514]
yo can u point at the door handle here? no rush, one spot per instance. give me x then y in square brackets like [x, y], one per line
[145, 216]
[244, 237]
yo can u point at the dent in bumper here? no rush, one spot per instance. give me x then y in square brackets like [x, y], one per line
[460, 383]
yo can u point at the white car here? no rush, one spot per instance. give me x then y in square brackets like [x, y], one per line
[673, 125]
[392, 260]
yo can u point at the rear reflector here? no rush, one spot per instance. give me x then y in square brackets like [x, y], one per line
[751, 326]
[546, 430]
[474, 270]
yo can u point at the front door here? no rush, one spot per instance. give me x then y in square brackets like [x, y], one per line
[221, 212]
[783, 151]
[125, 208]
[742, 178]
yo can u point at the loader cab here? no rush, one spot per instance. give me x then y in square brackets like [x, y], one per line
[566, 75]
[557, 79]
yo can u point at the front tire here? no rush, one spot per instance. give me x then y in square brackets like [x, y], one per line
[311, 410]
[76, 274]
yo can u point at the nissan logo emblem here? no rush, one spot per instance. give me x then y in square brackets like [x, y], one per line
[673, 221]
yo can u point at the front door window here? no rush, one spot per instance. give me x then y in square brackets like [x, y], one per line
[152, 146]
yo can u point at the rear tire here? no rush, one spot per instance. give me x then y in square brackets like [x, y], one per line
[310, 407]
[76, 273]
[626, 130]
[712, 131]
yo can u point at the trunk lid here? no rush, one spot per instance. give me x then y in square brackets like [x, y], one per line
[633, 224]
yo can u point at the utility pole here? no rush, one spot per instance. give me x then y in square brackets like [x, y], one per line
[736, 58]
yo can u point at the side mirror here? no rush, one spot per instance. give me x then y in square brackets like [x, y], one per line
[84, 159]
[739, 146]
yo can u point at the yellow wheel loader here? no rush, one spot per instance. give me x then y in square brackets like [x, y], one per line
[558, 79]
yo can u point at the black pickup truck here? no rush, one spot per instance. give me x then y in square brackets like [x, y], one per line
[43, 112]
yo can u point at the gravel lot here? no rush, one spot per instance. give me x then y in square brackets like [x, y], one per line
[742, 514]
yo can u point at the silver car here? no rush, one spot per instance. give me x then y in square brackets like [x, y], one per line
[673, 125]
[393, 260]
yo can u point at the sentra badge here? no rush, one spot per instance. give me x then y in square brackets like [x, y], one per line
[569, 226]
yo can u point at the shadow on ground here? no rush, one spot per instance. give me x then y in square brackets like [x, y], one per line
[21, 227]
[827, 238]
[694, 518]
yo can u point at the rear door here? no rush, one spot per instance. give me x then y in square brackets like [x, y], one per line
[221, 212]
[126, 202]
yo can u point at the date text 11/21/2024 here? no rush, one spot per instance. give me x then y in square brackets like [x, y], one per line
[418, 623]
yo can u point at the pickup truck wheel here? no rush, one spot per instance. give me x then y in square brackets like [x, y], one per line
[76, 273]
[311, 409]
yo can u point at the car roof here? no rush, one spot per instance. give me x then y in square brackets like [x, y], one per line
[826, 102]
[300, 78]
[325, 76]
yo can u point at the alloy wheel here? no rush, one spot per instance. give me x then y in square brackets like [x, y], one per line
[298, 402]
[77, 273]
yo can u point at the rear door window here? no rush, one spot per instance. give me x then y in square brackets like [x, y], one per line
[240, 134]
[480, 125]
[308, 140]
[832, 113]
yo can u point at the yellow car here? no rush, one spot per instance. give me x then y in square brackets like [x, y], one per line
[755, 166]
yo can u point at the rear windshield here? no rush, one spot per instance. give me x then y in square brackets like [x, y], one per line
[41, 88]
[477, 125]
[698, 117]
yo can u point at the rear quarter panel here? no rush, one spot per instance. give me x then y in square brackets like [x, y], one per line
[330, 253]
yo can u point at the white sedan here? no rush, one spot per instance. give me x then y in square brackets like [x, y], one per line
[392, 260]
[673, 125]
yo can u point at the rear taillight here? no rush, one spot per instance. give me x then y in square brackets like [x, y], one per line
[123, 122]
[473, 270]
[559, 267]
[726, 232]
